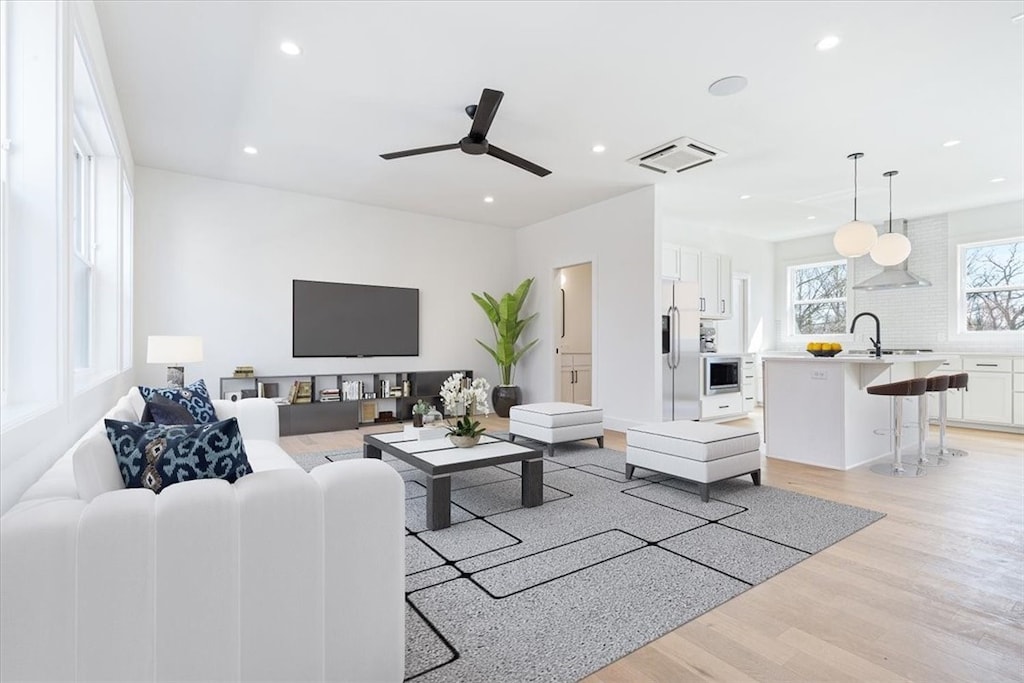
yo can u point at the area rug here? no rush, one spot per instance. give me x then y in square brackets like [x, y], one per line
[604, 566]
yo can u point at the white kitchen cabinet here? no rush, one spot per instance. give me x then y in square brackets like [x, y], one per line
[576, 378]
[989, 397]
[715, 286]
[721, 405]
[1018, 397]
[748, 384]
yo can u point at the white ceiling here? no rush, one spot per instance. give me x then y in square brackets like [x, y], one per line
[197, 81]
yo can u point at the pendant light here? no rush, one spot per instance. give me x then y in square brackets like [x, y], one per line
[856, 237]
[891, 247]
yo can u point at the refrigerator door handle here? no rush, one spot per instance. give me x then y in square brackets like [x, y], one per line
[675, 338]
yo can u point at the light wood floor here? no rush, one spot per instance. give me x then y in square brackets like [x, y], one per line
[932, 592]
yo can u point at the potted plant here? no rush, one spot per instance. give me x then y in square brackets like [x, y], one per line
[507, 327]
[465, 433]
[418, 411]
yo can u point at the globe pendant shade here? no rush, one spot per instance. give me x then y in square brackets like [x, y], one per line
[854, 239]
[890, 249]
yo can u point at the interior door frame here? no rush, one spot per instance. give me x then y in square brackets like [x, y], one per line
[556, 312]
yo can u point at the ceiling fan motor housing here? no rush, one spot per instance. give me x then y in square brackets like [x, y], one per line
[471, 146]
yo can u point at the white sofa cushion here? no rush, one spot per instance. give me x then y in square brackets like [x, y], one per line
[556, 414]
[95, 465]
[693, 440]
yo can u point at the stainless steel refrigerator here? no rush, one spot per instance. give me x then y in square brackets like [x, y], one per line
[680, 350]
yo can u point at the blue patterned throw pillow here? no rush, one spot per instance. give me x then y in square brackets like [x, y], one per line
[194, 397]
[155, 456]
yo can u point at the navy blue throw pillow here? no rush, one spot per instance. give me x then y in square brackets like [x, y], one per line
[155, 456]
[164, 411]
[195, 398]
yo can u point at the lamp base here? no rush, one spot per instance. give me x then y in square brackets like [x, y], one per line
[176, 376]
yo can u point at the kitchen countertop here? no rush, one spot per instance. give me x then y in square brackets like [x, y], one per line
[845, 358]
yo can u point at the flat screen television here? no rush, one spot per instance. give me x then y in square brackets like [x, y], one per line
[335, 319]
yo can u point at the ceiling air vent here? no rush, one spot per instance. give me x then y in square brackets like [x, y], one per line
[677, 156]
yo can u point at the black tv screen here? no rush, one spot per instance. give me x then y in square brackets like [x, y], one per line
[332, 319]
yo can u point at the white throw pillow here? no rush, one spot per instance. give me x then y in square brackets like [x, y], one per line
[95, 465]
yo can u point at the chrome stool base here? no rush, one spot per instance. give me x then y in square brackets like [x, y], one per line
[904, 471]
[946, 452]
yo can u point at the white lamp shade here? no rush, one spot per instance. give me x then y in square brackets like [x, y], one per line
[890, 249]
[855, 239]
[174, 350]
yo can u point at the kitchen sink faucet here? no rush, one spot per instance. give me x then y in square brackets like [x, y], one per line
[877, 342]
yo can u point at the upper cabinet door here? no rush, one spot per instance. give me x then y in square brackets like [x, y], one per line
[670, 262]
[725, 286]
[709, 307]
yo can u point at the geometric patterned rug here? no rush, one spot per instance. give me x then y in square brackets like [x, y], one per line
[604, 566]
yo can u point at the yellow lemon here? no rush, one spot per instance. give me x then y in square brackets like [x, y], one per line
[814, 346]
[836, 346]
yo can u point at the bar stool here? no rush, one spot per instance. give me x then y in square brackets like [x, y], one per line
[938, 383]
[898, 390]
[957, 381]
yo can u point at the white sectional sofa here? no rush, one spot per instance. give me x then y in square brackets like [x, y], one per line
[280, 576]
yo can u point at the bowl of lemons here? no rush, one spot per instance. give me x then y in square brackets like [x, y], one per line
[824, 349]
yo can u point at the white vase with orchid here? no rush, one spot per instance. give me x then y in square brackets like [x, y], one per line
[461, 396]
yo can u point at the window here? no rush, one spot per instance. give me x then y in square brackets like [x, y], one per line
[82, 259]
[992, 286]
[817, 298]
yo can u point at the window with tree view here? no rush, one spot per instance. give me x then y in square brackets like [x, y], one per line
[992, 286]
[817, 297]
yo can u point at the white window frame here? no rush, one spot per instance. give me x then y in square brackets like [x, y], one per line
[792, 303]
[962, 290]
[83, 248]
[5, 148]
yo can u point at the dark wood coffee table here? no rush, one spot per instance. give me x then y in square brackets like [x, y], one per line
[438, 458]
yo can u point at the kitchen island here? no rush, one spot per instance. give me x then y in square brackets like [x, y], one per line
[817, 412]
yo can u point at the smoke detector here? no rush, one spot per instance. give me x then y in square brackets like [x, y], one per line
[677, 156]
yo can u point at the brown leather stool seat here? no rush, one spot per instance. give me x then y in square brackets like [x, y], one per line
[938, 383]
[898, 391]
[908, 387]
[958, 381]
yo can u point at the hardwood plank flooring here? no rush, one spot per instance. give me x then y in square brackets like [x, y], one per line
[932, 592]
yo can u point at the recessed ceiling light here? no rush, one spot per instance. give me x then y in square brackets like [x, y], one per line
[827, 43]
[290, 48]
[998, 180]
[744, 196]
[811, 218]
[730, 85]
[489, 200]
[597, 149]
[249, 149]
[950, 143]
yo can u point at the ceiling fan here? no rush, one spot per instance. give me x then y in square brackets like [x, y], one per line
[476, 142]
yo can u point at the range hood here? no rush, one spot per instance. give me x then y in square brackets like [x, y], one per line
[894, 277]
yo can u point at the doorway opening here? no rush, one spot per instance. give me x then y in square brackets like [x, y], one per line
[574, 319]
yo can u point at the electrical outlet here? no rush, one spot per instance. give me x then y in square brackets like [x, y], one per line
[819, 374]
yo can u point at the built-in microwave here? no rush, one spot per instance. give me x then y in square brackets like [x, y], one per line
[721, 375]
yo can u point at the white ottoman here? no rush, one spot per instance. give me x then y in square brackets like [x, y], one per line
[553, 423]
[699, 452]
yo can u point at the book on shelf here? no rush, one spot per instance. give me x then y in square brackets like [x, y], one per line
[304, 392]
[244, 371]
[293, 392]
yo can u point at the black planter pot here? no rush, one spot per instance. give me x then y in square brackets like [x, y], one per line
[504, 396]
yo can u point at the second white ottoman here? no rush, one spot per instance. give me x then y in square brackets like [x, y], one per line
[553, 423]
[700, 452]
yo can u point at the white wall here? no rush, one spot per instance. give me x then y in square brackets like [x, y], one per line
[917, 317]
[217, 259]
[750, 256]
[617, 237]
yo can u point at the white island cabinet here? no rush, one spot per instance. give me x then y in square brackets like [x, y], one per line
[817, 412]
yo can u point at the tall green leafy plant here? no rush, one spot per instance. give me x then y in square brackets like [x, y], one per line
[507, 326]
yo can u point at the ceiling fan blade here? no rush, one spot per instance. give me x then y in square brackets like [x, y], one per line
[485, 111]
[522, 163]
[419, 150]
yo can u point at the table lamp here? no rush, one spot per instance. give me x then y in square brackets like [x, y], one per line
[175, 351]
